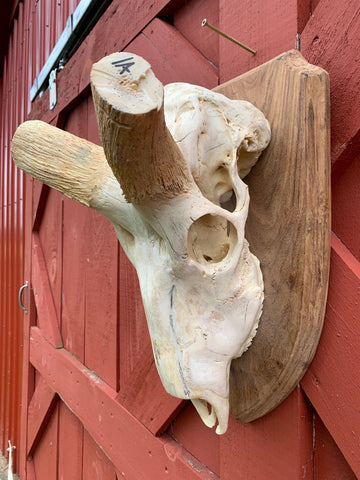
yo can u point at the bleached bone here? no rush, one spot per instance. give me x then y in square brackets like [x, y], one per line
[202, 289]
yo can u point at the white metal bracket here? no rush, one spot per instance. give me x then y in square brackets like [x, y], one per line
[52, 88]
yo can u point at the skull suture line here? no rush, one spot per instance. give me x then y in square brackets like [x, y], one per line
[183, 231]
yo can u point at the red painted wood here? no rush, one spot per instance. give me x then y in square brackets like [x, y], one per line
[40, 409]
[313, 5]
[331, 41]
[101, 337]
[29, 320]
[188, 21]
[269, 448]
[332, 382]
[47, 316]
[95, 265]
[30, 470]
[74, 285]
[189, 430]
[14, 276]
[70, 452]
[32, 36]
[11, 234]
[329, 462]
[304, 10]
[134, 334]
[93, 132]
[270, 28]
[40, 194]
[95, 463]
[172, 58]
[74, 279]
[125, 441]
[144, 396]
[346, 207]
[44, 457]
[50, 235]
[101, 332]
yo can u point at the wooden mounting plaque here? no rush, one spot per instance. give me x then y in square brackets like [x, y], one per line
[288, 229]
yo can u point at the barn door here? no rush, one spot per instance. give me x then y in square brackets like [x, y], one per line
[94, 407]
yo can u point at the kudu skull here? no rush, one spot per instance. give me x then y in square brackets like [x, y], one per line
[174, 194]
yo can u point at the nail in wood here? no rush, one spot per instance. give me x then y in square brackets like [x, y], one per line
[205, 23]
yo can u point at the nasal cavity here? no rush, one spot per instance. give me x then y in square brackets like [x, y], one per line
[210, 239]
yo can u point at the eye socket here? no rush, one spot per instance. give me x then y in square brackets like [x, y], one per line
[210, 239]
[228, 200]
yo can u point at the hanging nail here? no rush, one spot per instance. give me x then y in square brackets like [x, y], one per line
[205, 23]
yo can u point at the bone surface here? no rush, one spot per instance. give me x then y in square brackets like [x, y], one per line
[175, 195]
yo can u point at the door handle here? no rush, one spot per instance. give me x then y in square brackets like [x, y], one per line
[21, 289]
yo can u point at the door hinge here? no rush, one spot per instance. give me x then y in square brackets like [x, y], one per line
[52, 88]
[52, 84]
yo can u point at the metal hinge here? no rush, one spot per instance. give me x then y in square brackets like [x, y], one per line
[52, 88]
[78, 25]
[52, 84]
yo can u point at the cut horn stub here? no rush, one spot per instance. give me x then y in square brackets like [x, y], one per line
[140, 150]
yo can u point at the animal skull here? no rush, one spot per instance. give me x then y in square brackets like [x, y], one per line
[183, 231]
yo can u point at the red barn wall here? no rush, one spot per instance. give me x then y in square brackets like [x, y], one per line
[34, 27]
[315, 433]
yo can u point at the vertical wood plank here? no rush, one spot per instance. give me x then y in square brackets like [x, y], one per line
[304, 11]
[29, 320]
[189, 430]
[73, 291]
[50, 234]
[187, 20]
[101, 333]
[268, 27]
[73, 310]
[331, 40]
[96, 466]
[332, 382]
[70, 445]
[329, 462]
[134, 335]
[346, 207]
[277, 446]
[74, 264]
